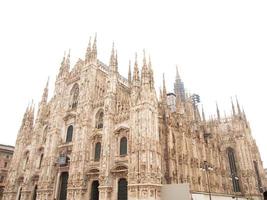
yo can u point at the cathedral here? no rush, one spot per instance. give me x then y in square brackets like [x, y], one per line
[106, 137]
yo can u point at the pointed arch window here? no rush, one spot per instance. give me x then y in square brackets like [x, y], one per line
[34, 196]
[44, 135]
[19, 193]
[69, 134]
[97, 151]
[74, 93]
[233, 169]
[41, 160]
[123, 146]
[95, 191]
[63, 186]
[26, 160]
[99, 119]
[122, 189]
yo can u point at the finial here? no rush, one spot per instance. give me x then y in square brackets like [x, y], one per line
[203, 114]
[88, 51]
[63, 60]
[95, 40]
[31, 106]
[149, 64]
[233, 107]
[45, 93]
[135, 59]
[129, 73]
[89, 44]
[95, 37]
[136, 70]
[244, 114]
[113, 47]
[112, 61]
[68, 59]
[47, 82]
[218, 111]
[238, 107]
[177, 73]
[164, 87]
[144, 59]
[160, 93]
[116, 57]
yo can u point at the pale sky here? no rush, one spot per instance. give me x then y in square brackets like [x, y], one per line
[220, 46]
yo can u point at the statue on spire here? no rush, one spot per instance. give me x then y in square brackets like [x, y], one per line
[88, 51]
[233, 107]
[203, 114]
[164, 92]
[238, 107]
[45, 93]
[218, 112]
[129, 74]
[94, 49]
[65, 65]
[136, 77]
[179, 86]
[151, 74]
[112, 62]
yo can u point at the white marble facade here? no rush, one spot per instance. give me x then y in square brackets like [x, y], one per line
[103, 136]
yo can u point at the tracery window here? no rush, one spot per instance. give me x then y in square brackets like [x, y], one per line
[69, 134]
[123, 146]
[99, 119]
[233, 169]
[74, 93]
[41, 160]
[97, 151]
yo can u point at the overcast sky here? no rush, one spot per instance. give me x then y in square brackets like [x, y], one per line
[220, 46]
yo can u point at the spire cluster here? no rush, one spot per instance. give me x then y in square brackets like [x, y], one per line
[146, 78]
[65, 65]
[91, 51]
[179, 86]
[28, 117]
[113, 61]
[45, 92]
[239, 114]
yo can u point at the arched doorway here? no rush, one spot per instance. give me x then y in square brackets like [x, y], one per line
[265, 195]
[122, 189]
[95, 191]
[19, 194]
[63, 186]
[34, 195]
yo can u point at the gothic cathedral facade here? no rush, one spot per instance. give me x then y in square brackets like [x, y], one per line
[103, 136]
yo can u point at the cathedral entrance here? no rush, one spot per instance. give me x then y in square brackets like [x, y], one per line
[34, 193]
[95, 191]
[63, 186]
[265, 195]
[122, 189]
